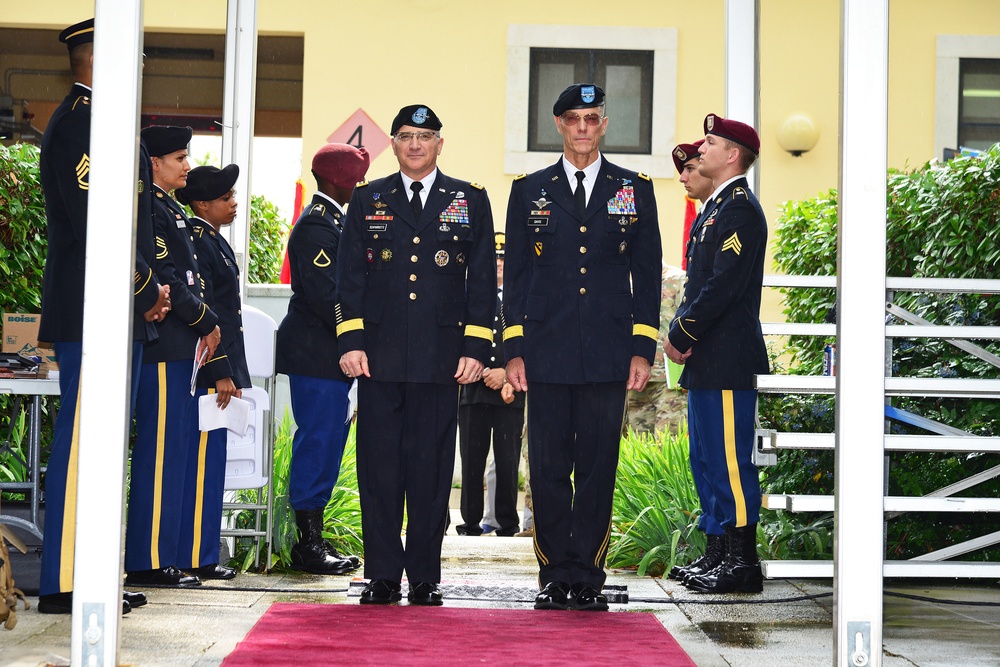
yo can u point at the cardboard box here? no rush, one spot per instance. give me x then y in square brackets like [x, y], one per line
[20, 334]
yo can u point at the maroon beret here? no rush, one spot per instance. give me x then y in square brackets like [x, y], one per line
[684, 152]
[341, 165]
[733, 130]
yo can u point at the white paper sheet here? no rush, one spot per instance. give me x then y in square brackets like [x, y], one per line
[235, 417]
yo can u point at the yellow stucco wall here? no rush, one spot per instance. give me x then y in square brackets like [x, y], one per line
[452, 55]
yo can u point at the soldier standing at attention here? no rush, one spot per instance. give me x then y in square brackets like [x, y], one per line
[416, 273]
[164, 404]
[582, 313]
[717, 336]
[65, 176]
[307, 354]
[210, 194]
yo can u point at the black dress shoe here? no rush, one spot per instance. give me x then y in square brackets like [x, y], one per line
[62, 603]
[425, 594]
[585, 597]
[553, 596]
[381, 591]
[168, 577]
[470, 531]
[134, 599]
[215, 571]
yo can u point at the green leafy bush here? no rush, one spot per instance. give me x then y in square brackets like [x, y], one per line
[22, 229]
[943, 220]
[267, 235]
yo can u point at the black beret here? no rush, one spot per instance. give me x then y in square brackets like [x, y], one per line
[417, 115]
[684, 152]
[166, 139]
[733, 130]
[77, 34]
[501, 241]
[578, 96]
[208, 183]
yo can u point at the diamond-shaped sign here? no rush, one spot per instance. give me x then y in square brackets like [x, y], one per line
[360, 130]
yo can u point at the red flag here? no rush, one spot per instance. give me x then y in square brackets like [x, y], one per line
[286, 270]
[690, 213]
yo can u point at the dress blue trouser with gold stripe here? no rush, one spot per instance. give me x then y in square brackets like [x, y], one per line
[721, 426]
[204, 486]
[573, 430]
[61, 475]
[159, 465]
[319, 407]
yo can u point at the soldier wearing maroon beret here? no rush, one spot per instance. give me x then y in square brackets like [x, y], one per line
[307, 353]
[717, 336]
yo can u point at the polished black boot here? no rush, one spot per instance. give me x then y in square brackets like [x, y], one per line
[314, 554]
[715, 550]
[740, 569]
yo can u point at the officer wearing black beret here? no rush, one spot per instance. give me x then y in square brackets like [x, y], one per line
[65, 176]
[164, 405]
[716, 334]
[212, 198]
[417, 282]
[307, 353]
[489, 412]
[582, 303]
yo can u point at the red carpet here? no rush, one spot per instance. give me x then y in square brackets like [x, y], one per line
[338, 634]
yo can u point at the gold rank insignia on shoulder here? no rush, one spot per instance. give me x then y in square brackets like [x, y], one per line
[83, 172]
[740, 192]
[520, 176]
[322, 259]
[361, 184]
[477, 186]
[318, 209]
[644, 176]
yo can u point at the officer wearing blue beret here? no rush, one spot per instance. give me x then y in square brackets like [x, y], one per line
[210, 194]
[716, 334]
[416, 274]
[582, 307]
[65, 176]
[164, 404]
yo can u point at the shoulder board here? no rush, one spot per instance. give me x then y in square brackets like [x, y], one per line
[520, 176]
[361, 184]
[318, 209]
[643, 176]
[740, 192]
[476, 186]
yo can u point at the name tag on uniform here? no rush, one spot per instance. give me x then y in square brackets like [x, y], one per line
[376, 227]
[540, 221]
[180, 224]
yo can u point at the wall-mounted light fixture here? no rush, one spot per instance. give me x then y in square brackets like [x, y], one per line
[798, 134]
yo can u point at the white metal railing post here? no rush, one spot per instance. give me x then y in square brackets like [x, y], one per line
[107, 333]
[743, 68]
[238, 116]
[860, 382]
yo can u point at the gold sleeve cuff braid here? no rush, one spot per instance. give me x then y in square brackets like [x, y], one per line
[644, 330]
[513, 332]
[138, 277]
[357, 324]
[680, 323]
[479, 332]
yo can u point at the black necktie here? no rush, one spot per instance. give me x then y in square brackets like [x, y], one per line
[415, 203]
[581, 194]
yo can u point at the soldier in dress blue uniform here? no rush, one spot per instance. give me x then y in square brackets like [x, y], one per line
[65, 176]
[307, 354]
[416, 275]
[717, 335]
[210, 194]
[164, 405]
[687, 159]
[491, 411]
[582, 303]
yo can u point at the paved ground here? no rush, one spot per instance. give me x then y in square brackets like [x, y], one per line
[201, 626]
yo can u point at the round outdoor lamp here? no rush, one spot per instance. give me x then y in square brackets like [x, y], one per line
[798, 134]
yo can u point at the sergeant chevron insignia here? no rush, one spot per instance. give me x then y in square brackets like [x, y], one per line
[83, 172]
[732, 243]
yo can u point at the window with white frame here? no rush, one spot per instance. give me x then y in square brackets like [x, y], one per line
[966, 95]
[637, 67]
[979, 103]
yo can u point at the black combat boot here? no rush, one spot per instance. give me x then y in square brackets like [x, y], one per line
[314, 554]
[715, 550]
[739, 571]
